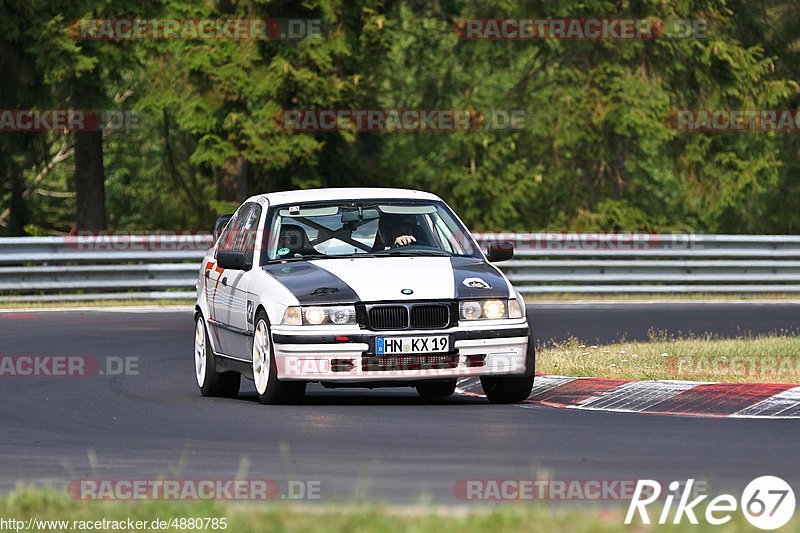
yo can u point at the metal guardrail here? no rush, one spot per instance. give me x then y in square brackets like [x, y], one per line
[100, 268]
[148, 267]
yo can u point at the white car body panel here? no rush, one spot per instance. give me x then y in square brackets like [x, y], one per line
[343, 193]
[376, 279]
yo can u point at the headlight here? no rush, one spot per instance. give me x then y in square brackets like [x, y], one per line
[315, 315]
[490, 309]
[470, 310]
[339, 315]
[494, 309]
[483, 309]
[342, 315]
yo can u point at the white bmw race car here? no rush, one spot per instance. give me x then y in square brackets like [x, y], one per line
[357, 287]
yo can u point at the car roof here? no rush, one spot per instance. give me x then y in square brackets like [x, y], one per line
[342, 193]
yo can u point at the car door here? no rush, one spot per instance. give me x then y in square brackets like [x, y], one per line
[232, 302]
[217, 299]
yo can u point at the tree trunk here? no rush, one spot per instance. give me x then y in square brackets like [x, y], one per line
[226, 185]
[232, 180]
[18, 215]
[243, 173]
[90, 180]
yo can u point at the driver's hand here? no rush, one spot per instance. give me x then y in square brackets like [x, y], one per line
[404, 240]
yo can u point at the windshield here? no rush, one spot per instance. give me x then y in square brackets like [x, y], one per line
[374, 228]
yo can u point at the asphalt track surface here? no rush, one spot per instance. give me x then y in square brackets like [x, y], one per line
[385, 444]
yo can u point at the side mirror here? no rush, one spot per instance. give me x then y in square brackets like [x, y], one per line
[220, 225]
[231, 260]
[500, 251]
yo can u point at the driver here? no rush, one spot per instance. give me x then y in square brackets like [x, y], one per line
[395, 230]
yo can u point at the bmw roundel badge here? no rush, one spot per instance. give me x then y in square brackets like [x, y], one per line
[407, 291]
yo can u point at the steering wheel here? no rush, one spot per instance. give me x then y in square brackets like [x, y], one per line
[415, 248]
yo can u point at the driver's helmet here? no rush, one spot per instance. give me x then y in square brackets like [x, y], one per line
[391, 226]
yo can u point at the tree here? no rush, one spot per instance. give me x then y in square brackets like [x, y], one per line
[596, 151]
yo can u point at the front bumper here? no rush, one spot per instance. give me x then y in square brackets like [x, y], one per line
[346, 355]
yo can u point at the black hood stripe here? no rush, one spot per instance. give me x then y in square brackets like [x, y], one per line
[310, 284]
[468, 267]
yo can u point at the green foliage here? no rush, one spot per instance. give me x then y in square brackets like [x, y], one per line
[596, 151]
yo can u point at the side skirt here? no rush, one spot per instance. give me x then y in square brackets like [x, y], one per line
[226, 363]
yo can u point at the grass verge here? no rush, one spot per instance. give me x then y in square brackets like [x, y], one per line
[51, 504]
[756, 359]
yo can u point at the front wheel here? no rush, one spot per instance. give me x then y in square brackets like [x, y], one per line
[507, 389]
[512, 389]
[265, 370]
[211, 382]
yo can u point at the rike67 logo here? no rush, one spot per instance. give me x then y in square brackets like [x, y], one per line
[767, 503]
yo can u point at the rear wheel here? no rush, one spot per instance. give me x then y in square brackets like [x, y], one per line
[512, 389]
[436, 389]
[265, 370]
[211, 382]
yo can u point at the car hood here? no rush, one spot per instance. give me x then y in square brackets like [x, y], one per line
[375, 279]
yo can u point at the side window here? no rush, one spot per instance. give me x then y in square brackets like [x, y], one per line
[246, 237]
[240, 234]
[227, 237]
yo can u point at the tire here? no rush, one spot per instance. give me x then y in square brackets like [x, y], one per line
[265, 371]
[211, 382]
[436, 389]
[512, 389]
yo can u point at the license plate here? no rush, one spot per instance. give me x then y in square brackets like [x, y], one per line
[396, 345]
